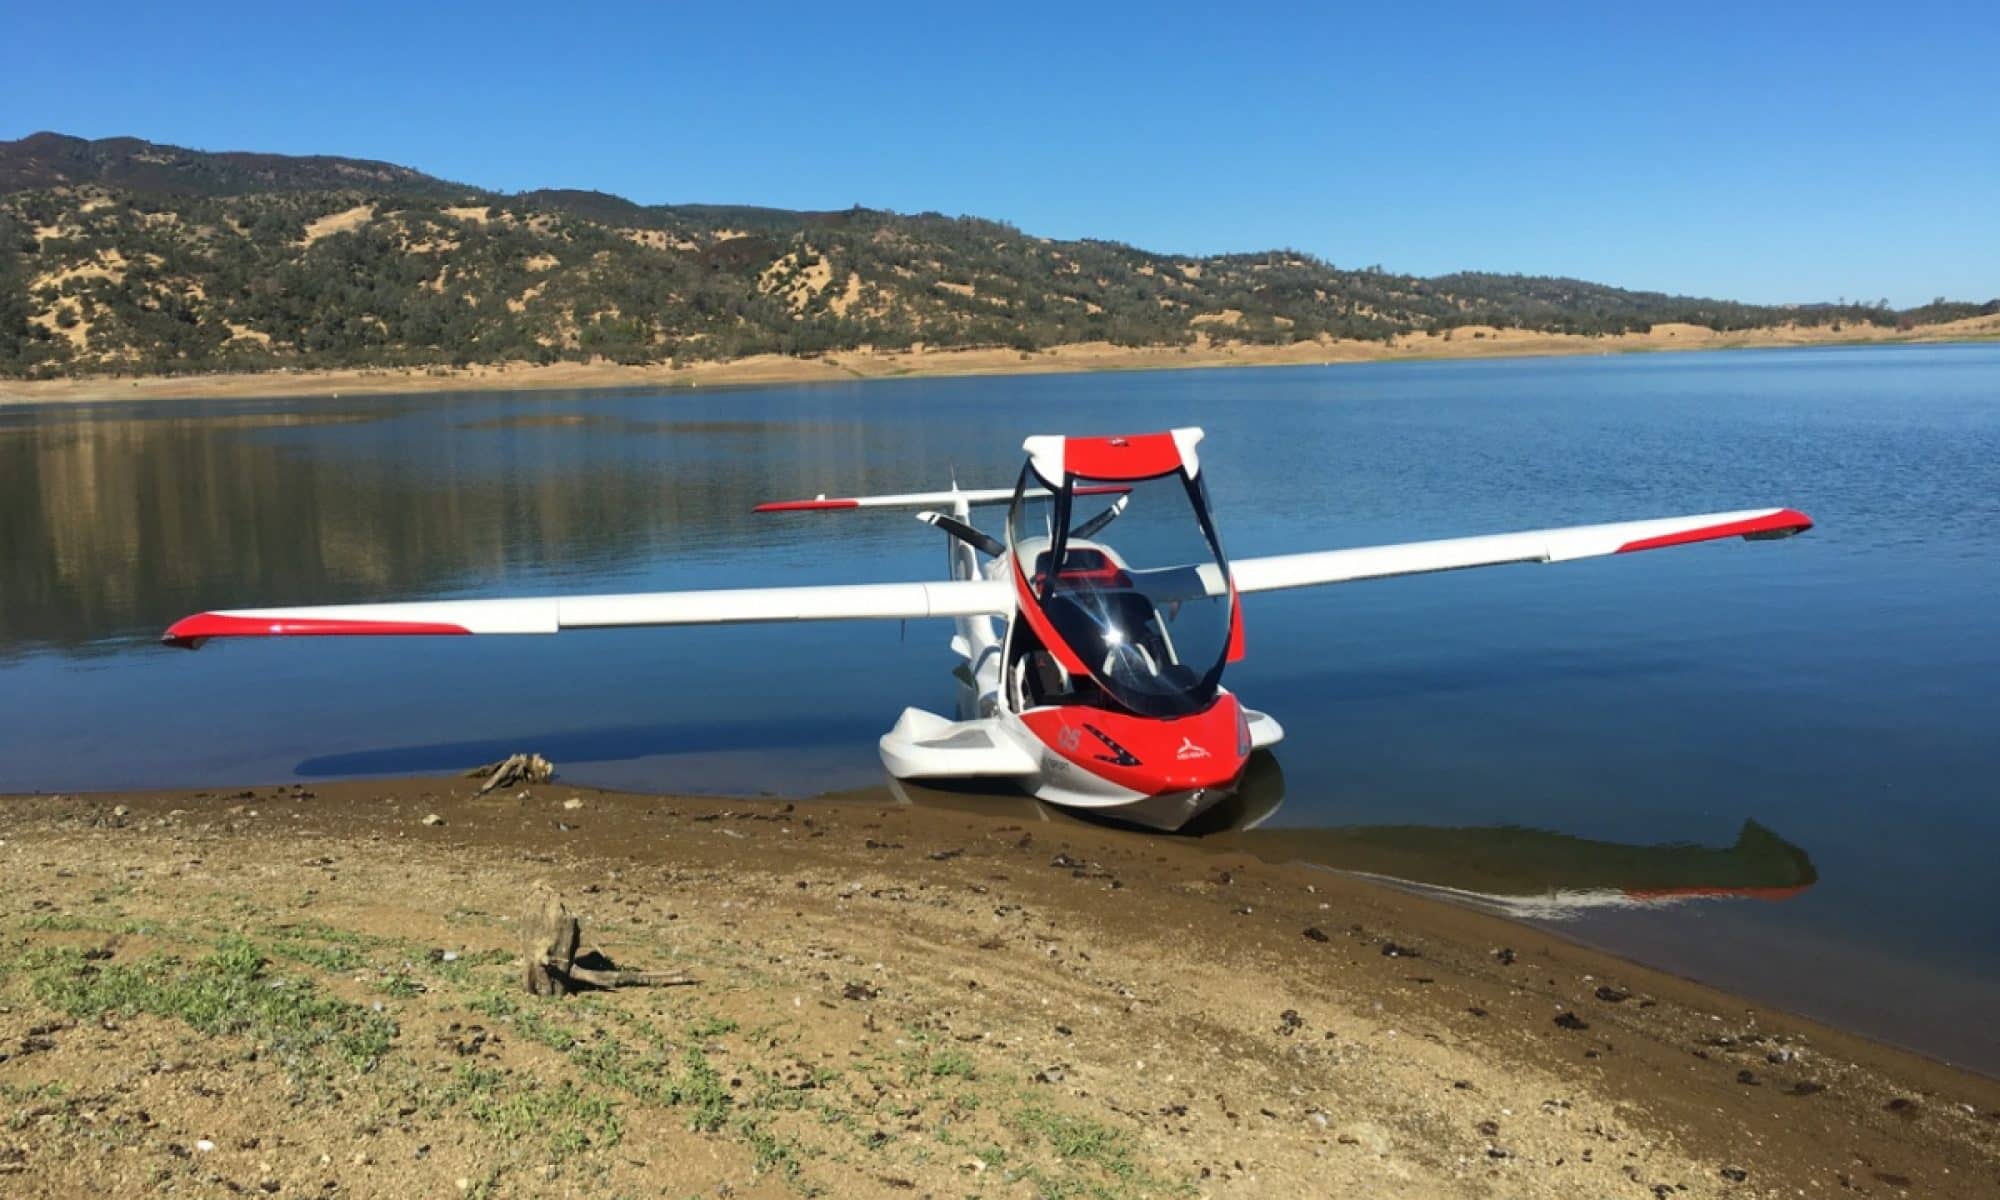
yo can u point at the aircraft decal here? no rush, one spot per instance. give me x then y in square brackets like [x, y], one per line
[1119, 755]
[1189, 750]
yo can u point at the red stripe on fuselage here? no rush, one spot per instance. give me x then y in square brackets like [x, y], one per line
[1045, 630]
[194, 630]
[1785, 520]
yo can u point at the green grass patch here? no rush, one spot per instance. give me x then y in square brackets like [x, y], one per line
[564, 1118]
[1097, 1159]
[228, 993]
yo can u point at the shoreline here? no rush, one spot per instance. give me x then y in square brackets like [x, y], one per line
[887, 998]
[854, 366]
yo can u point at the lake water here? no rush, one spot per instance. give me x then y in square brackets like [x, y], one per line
[1520, 735]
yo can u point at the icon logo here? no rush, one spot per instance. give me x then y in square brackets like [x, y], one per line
[1189, 750]
[1069, 738]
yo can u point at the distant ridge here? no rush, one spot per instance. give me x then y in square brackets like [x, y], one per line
[46, 160]
[126, 256]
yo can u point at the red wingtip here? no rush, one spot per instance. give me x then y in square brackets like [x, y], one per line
[189, 633]
[804, 505]
[1783, 523]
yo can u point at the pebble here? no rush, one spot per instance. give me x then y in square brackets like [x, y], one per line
[573, 803]
[204, 1145]
[434, 819]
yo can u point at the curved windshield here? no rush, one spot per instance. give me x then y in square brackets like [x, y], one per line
[1131, 577]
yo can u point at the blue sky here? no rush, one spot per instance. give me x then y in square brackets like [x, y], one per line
[1765, 152]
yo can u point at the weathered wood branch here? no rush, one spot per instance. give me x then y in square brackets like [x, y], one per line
[517, 768]
[551, 938]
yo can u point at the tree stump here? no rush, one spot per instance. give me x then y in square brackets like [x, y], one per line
[550, 940]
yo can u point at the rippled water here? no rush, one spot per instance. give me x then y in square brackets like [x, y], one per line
[1533, 738]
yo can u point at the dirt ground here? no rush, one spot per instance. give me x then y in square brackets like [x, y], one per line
[847, 366]
[315, 991]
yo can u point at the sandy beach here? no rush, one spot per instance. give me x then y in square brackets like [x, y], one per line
[313, 989]
[848, 366]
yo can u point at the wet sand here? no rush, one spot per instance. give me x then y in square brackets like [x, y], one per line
[853, 365]
[890, 1000]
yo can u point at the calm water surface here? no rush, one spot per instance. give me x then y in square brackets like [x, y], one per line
[1521, 735]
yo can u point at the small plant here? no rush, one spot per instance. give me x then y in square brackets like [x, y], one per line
[226, 993]
[564, 1118]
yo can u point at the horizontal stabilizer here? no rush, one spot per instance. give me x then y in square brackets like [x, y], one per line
[915, 499]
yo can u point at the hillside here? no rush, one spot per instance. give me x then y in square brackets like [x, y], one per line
[123, 256]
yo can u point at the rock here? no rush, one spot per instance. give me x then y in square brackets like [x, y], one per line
[1570, 1020]
[858, 991]
[573, 803]
[121, 812]
[1314, 933]
[1504, 956]
[1290, 1022]
[432, 819]
[1611, 995]
[1392, 950]
[204, 1145]
[1367, 1135]
[1735, 1174]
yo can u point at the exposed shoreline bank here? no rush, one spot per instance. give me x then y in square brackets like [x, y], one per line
[889, 997]
[865, 365]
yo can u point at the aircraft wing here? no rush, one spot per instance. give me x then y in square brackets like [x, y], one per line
[551, 614]
[1541, 545]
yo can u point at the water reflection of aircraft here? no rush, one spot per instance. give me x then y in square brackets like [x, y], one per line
[1091, 672]
[1509, 869]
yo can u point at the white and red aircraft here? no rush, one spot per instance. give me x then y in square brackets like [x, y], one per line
[1092, 674]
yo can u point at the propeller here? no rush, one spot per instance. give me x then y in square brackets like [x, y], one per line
[1089, 528]
[985, 543]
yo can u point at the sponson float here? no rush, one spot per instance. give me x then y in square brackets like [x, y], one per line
[1093, 638]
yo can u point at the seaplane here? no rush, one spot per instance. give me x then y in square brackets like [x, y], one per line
[1092, 637]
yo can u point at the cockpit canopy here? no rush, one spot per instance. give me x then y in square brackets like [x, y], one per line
[1129, 576]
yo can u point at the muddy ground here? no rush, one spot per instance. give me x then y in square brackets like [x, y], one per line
[310, 991]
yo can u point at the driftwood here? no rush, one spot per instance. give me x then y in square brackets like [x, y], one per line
[517, 768]
[552, 964]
